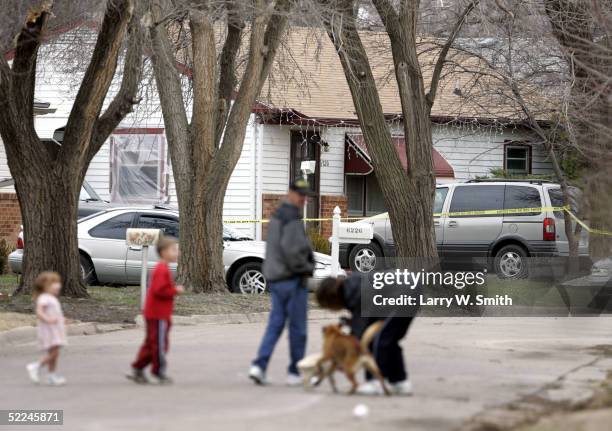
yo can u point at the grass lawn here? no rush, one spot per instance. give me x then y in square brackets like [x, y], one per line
[121, 304]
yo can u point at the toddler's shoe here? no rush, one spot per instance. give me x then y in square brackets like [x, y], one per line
[137, 376]
[34, 371]
[162, 379]
[55, 380]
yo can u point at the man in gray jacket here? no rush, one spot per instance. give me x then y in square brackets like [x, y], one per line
[289, 261]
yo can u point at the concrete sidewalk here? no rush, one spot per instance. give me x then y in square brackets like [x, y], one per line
[459, 366]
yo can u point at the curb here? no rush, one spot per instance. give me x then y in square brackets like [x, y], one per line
[26, 334]
[234, 318]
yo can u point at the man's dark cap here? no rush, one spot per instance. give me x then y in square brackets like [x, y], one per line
[300, 186]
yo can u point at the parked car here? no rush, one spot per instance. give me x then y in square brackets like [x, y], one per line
[506, 240]
[89, 201]
[107, 259]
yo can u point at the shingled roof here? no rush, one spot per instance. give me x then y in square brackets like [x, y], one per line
[309, 78]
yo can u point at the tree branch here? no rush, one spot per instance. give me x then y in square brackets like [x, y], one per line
[266, 32]
[204, 83]
[170, 92]
[98, 77]
[435, 77]
[125, 99]
[24, 62]
[388, 16]
[227, 66]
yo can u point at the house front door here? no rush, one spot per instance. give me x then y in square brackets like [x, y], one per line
[304, 147]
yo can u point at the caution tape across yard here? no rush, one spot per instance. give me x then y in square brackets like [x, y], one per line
[512, 211]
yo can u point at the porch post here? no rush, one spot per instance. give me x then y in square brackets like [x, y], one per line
[335, 243]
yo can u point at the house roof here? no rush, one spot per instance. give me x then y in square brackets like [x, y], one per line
[308, 79]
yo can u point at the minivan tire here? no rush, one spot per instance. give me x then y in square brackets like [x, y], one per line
[511, 262]
[365, 258]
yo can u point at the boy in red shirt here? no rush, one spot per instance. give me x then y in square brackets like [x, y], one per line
[157, 313]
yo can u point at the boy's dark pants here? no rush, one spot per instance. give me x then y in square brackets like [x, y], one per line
[154, 348]
[388, 352]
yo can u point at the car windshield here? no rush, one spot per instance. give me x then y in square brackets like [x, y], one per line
[231, 234]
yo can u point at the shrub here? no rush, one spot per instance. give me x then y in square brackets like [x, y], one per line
[319, 242]
[5, 250]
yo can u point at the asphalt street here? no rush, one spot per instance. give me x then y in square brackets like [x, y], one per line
[459, 367]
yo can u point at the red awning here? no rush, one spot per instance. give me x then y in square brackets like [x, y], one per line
[357, 159]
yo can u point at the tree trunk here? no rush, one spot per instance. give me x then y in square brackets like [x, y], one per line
[201, 263]
[49, 202]
[408, 196]
[48, 179]
[203, 158]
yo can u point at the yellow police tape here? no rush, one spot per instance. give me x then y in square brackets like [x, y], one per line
[535, 210]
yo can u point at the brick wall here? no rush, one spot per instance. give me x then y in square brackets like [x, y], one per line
[269, 203]
[328, 203]
[10, 217]
[326, 210]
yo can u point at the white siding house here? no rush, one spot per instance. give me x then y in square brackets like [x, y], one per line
[270, 151]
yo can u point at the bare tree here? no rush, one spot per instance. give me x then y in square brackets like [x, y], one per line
[524, 69]
[583, 30]
[205, 149]
[48, 178]
[408, 195]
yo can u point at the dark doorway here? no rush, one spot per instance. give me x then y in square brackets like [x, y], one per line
[305, 146]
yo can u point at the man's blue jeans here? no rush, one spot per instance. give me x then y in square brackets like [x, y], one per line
[289, 304]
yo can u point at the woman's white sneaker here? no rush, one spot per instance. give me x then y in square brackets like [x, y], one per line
[371, 387]
[403, 388]
[34, 371]
[294, 380]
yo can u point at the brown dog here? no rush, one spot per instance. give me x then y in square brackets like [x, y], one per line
[346, 353]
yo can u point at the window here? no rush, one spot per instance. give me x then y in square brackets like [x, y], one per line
[556, 200]
[375, 203]
[305, 146]
[517, 159]
[168, 225]
[477, 198]
[138, 167]
[439, 199]
[517, 197]
[355, 194]
[364, 196]
[114, 228]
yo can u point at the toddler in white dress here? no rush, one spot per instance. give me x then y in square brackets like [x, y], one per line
[51, 329]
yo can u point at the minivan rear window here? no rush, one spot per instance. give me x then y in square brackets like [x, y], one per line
[556, 200]
[520, 197]
[477, 198]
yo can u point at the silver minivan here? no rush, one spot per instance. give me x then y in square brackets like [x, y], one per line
[506, 240]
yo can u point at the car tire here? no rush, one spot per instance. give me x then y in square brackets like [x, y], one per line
[511, 262]
[248, 279]
[88, 273]
[365, 258]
